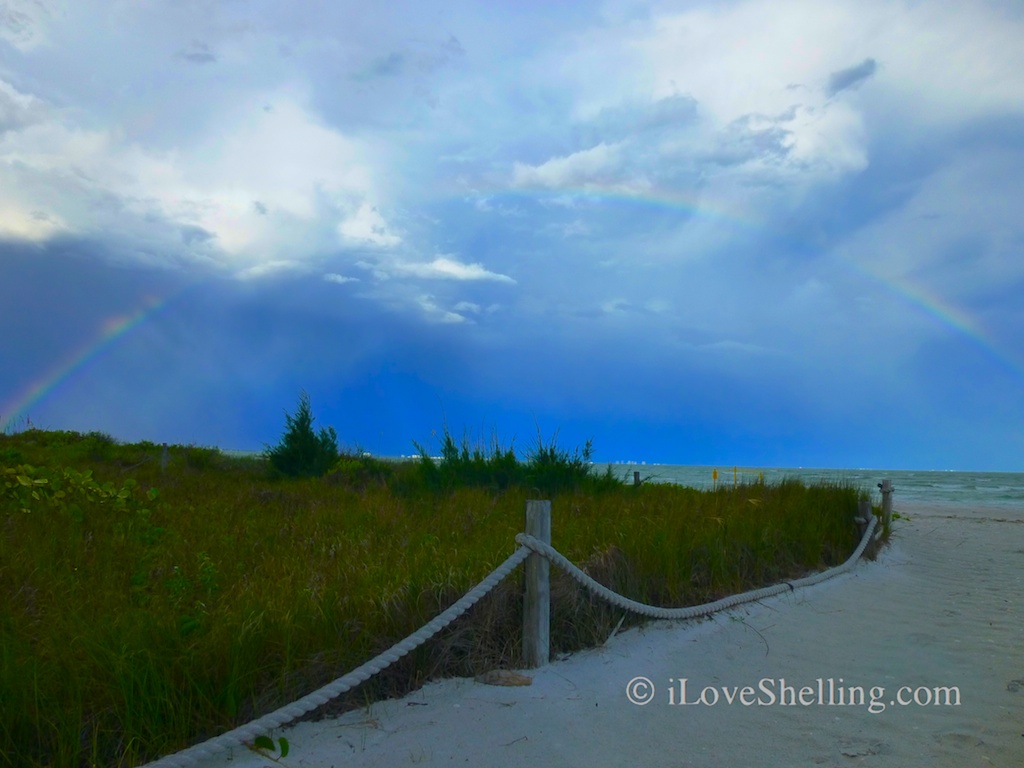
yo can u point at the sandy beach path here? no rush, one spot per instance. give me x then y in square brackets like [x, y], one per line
[940, 608]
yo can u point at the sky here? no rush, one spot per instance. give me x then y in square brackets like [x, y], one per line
[774, 233]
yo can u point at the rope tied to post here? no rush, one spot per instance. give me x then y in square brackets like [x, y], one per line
[693, 611]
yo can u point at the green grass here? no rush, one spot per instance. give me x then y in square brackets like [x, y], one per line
[142, 610]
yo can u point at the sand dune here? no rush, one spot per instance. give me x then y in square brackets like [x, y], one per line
[940, 609]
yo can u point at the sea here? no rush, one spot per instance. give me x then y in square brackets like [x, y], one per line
[994, 492]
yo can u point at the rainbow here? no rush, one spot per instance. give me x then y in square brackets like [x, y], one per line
[944, 313]
[692, 204]
[111, 330]
[940, 310]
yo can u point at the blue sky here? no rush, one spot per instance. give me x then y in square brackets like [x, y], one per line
[756, 233]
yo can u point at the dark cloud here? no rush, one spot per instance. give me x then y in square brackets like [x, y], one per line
[851, 77]
[630, 120]
[751, 137]
[17, 24]
[192, 234]
[707, 316]
[18, 110]
[389, 66]
[453, 47]
[417, 59]
[197, 52]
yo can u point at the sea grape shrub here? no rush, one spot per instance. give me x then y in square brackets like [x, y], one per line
[70, 493]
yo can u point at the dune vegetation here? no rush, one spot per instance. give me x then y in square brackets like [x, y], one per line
[151, 600]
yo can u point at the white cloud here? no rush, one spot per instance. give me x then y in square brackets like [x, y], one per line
[588, 166]
[754, 87]
[21, 224]
[18, 109]
[23, 23]
[950, 62]
[332, 277]
[732, 347]
[265, 184]
[616, 307]
[366, 226]
[486, 205]
[831, 139]
[268, 268]
[445, 268]
[436, 314]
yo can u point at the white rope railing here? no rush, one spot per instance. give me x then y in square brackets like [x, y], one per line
[690, 612]
[528, 545]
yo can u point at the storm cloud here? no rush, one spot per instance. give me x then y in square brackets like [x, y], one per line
[697, 233]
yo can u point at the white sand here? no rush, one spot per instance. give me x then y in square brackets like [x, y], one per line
[941, 607]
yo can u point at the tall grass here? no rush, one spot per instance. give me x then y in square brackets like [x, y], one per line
[142, 610]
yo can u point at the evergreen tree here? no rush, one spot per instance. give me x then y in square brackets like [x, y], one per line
[302, 452]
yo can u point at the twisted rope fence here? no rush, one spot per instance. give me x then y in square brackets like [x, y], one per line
[530, 546]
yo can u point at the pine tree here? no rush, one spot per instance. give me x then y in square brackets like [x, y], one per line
[302, 452]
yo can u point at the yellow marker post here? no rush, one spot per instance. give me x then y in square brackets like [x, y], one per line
[714, 478]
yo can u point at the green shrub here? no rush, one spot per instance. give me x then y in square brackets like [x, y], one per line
[360, 471]
[302, 452]
[548, 469]
[199, 458]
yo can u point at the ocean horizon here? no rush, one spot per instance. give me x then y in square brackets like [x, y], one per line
[1003, 491]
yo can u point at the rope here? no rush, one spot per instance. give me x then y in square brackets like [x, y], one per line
[311, 701]
[692, 611]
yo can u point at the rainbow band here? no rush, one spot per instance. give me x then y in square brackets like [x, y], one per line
[915, 295]
[945, 313]
[114, 328]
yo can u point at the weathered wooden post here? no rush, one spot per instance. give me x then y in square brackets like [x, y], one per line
[636, 478]
[537, 595]
[163, 459]
[863, 516]
[886, 487]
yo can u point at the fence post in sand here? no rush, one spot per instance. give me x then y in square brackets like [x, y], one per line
[863, 516]
[886, 503]
[537, 595]
[636, 478]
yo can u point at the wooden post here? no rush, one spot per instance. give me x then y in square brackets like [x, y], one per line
[163, 459]
[863, 516]
[636, 478]
[886, 503]
[537, 595]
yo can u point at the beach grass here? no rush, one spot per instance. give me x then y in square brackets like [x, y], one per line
[147, 607]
